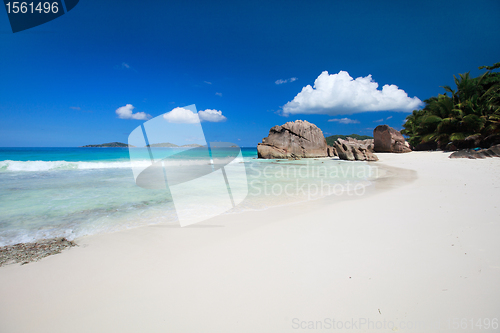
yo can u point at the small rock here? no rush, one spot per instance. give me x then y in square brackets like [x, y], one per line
[25, 253]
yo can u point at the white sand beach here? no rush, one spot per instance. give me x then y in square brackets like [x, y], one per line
[423, 251]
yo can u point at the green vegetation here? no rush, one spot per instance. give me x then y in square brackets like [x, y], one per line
[109, 145]
[471, 112]
[331, 139]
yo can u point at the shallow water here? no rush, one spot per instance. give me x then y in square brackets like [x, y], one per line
[72, 192]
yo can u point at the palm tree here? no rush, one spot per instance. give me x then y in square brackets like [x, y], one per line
[473, 109]
[412, 127]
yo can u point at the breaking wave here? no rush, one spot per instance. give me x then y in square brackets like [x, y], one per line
[33, 166]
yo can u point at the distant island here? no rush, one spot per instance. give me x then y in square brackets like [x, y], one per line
[172, 145]
[109, 145]
[154, 145]
[331, 139]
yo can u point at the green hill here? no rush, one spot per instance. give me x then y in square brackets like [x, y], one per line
[109, 145]
[331, 139]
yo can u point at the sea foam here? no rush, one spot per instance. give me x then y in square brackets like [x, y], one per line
[34, 166]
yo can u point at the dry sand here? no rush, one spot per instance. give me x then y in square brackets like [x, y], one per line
[424, 249]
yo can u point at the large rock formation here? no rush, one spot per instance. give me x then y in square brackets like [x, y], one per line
[474, 141]
[331, 151]
[388, 140]
[493, 151]
[293, 140]
[366, 144]
[355, 150]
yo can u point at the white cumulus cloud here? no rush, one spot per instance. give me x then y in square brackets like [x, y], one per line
[182, 116]
[345, 121]
[336, 94]
[126, 112]
[212, 116]
[185, 116]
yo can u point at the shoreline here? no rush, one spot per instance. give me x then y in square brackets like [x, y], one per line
[24, 252]
[423, 251]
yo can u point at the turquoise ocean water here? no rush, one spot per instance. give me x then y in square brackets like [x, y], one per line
[73, 192]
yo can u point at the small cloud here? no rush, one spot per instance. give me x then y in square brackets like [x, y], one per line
[126, 112]
[388, 118]
[280, 81]
[218, 94]
[340, 94]
[212, 116]
[182, 116]
[185, 116]
[378, 121]
[345, 121]
[207, 82]
[77, 108]
[125, 66]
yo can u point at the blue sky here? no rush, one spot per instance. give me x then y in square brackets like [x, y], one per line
[62, 82]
